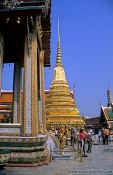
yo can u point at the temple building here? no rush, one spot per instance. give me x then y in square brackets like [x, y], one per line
[106, 112]
[60, 106]
[6, 104]
[25, 32]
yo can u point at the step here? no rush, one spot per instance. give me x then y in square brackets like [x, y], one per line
[61, 157]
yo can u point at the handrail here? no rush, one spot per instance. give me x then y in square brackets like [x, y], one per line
[49, 133]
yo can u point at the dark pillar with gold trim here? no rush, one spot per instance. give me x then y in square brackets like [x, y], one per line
[1, 59]
[17, 92]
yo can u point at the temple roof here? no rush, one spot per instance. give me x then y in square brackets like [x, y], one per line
[92, 121]
[6, 97]
[14, 31]
[108, 112]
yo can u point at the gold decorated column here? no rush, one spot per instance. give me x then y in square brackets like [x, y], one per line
[26, 125]
[34, 93]
[30, 95]
[42, 89]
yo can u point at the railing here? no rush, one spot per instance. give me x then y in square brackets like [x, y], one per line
[80, 150]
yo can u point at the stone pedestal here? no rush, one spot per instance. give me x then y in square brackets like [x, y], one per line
[26, 151]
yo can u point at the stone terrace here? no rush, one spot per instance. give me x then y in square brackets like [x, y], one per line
[99, 161]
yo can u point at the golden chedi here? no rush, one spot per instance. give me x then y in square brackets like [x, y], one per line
[60, 106]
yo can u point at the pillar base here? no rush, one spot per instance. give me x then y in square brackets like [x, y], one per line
[26, 151]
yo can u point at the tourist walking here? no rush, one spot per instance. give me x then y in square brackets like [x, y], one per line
[82, 140]
[100, 136]
[106, 135]
[103, 136]
[96, 136]
[73, 136]
[89, 141]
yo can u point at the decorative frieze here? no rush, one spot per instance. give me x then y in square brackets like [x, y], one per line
[10, 129]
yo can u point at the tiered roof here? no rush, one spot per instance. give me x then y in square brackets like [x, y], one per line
[106, 116]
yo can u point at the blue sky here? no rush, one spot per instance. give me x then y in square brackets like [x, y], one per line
[86, 29]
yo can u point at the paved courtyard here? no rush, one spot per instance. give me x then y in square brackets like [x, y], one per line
[98, 162]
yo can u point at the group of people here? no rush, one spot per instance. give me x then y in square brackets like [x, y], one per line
[83, 137]
[89, 137]
[101, 135]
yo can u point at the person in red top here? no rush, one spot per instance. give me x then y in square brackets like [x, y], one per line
[82, 134]
[82, 139]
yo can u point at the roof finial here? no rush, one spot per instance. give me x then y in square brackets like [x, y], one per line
[58, 59]
[58, 30]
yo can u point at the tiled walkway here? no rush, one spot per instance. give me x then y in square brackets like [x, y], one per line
[98, 162]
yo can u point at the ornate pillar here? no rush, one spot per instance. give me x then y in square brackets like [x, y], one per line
[1, 59]
[26, 120]
[42, 89]
[30, 103]
[34, 92]
[17, 93]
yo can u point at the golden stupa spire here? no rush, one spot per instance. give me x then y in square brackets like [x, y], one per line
[60, 104]
[58, 59]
